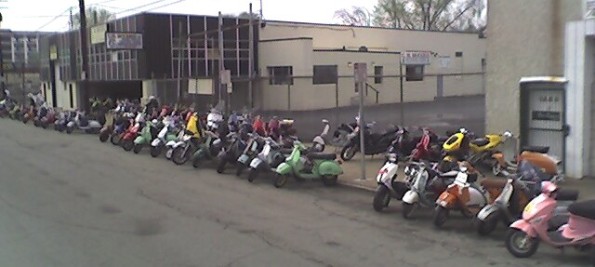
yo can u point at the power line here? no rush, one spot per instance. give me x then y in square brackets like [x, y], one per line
[166, 5]
[141, 6]
[54, 19]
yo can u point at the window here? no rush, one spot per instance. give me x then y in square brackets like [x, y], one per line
[459, 54]
[378, 70]
[415, 73]
[280, 75]
[325, 74]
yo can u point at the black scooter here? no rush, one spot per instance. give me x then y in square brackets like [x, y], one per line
[376, 143]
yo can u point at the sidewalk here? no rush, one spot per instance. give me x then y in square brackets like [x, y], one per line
[352, 177]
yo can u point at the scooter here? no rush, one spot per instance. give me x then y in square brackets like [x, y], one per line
[319, 142]
[483, 148]
[147, 134]
[209, 149]
[425, 185]
[254, 147]
[462, 195]
[516, 192]
[388, 185]
[183, 149]
[166, 134]
[231, 153]
[81, 122]
[525, 234]
[127, 140]
[538, 156]
[308, 166]
[271, 156]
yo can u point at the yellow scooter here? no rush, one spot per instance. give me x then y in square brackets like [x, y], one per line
[461, 147]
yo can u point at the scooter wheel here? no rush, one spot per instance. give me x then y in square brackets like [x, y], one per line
[196, 162]
[440, 216]
[221, 166]
[487, 225]
[329, 180]
[128, 145]
[407, 209]
[178, 156]
[381, 198]
[137, 148]
[347, 153]
[103, 136]
[239, 169]
[520, 245]
[115, 139]
[69, 130]
[252, 175]
[155, 151]
[280, 180]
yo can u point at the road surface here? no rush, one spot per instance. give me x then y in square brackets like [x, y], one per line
[69, 200]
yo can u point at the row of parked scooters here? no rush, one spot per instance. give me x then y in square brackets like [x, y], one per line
[441, 174]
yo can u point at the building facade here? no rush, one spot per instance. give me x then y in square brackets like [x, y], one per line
[305, 66]
[21, 61]
[173, 57]
[556, 40]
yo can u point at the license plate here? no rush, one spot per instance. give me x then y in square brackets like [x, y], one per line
[255, 163]
[243, 159]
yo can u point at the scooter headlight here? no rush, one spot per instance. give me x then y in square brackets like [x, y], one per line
[392, 157]
[407, 170]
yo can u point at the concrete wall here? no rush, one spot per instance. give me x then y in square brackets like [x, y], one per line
[303, 45]
[525, 38]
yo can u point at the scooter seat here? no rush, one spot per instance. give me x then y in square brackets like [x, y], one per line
[286, 151]
[480, 141]
[493, 183]
[536, 149]
[583, 209]
[325, 156]
[567, 195]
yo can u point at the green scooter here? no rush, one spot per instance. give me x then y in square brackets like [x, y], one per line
[147, 134]
[208, 149]
[311, 165]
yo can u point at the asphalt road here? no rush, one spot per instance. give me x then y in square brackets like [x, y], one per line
[69, 200]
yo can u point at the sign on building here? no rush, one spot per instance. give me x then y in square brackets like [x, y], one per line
[416, 57]
[124, 40]
[589, 9]
[98, 34]
[53, 52]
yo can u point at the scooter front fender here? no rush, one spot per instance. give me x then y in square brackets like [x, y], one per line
[329, 168]
[524, 226]
[94, 124]
[386, 173]
[177, 144]
[70, 124]
[139, 140]
[487, 211]
[410, 197]
[284, 169]
[446, 200]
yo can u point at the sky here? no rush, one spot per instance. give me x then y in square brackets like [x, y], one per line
[52, 15]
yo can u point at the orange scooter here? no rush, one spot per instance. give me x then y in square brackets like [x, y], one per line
[538, 156]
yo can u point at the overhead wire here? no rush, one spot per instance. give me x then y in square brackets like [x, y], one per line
[54, 19]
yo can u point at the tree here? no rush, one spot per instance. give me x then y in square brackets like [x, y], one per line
[426, 15]
[94, 15]
[357, 16]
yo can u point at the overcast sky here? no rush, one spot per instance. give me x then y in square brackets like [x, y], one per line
[52, 15]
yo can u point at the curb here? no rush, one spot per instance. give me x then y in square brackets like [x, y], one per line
[356, 186]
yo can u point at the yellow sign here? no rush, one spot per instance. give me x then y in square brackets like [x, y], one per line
[98, 34]
[53, 52]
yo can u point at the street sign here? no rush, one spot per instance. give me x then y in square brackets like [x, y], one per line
[225, 77]
[360, 72]
[416, 57]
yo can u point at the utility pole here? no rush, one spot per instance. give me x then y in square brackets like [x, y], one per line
[250, 59]
[71, 20]
[401, 104]
[180, 57]
[361, 77]
[84, 93]
[221, 60]
[2, 84]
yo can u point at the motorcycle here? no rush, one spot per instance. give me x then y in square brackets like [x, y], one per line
[120, 127]
[271, 156]
[462, 195]
[310, 165]
[483, 148]
[425, 185]
[525, 234]
[185, 148]
[388, 185]
[376, 143]
[517, 191]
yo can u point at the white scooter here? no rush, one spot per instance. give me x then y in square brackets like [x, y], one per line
[424, 186]
[319, 142]
[163, 137]
[388, 186]
[87, 126]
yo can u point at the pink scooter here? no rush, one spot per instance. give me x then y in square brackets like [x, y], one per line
[524, 234]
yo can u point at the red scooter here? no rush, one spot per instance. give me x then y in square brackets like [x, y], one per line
[426, 149]
[525, 234]
[127, 141]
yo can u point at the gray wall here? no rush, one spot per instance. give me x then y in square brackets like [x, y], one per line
[525, 38]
